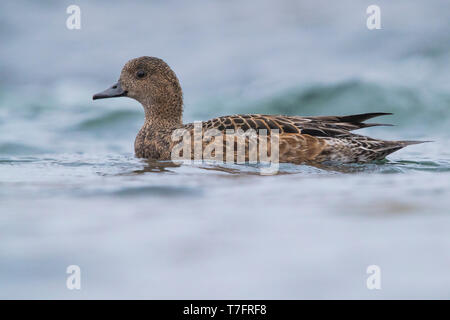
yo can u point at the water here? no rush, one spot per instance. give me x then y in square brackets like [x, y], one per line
[72, 193]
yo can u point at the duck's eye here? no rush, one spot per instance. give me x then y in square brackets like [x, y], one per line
[140, 74]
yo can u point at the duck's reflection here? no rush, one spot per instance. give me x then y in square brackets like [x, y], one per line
[157, 166]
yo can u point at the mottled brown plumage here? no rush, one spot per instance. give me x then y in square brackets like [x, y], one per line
[150, 81]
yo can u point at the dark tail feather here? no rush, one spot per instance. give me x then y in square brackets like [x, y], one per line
[357, 118]
[351, 122]
[368, 125]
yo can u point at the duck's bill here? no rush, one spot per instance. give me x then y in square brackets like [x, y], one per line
[114, 91]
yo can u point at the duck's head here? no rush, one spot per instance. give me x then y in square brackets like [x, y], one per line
[150, 81]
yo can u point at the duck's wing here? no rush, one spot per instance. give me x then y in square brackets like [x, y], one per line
[328, 126]
[315, 139]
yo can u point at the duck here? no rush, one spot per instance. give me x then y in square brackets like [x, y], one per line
[300, 139]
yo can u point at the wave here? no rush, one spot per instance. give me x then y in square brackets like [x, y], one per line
[109, 120]
[10, 148]
[417, 106]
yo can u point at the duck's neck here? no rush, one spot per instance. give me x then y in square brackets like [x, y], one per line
[160, 116]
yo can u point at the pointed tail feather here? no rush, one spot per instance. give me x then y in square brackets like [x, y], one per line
[368, 125]
[388, 147]
[357, 118]
[405, 143]
[338, 124]
[353, 122]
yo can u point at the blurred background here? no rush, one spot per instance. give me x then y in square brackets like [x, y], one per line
[72, 192]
